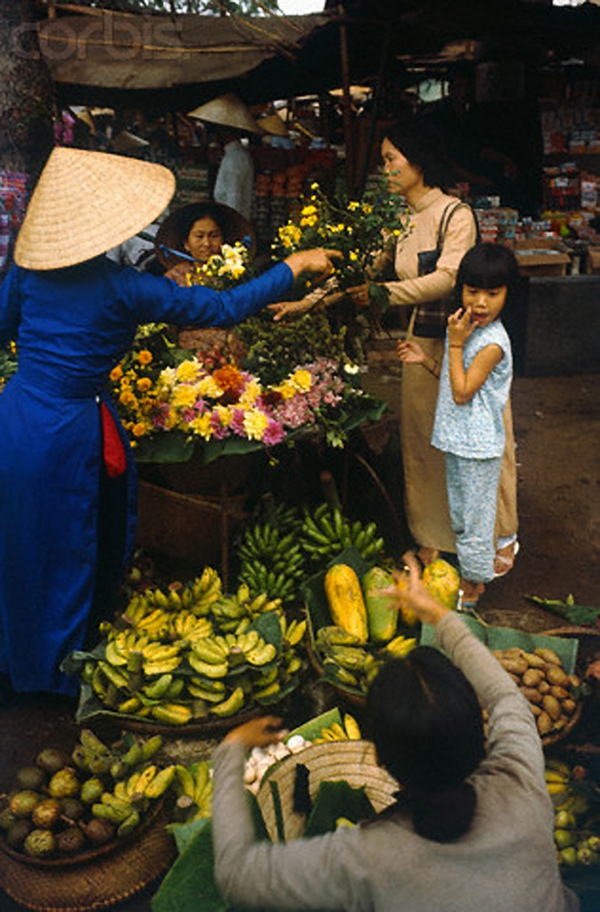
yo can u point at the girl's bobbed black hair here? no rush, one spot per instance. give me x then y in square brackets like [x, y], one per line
[488, 265]
[428, 732]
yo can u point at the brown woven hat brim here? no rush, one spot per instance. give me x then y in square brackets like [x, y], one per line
[228, 111]
[85, 203]
[103, 883]
[235, 228]
[351, 761]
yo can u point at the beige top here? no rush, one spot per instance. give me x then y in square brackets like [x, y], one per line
[423, 223]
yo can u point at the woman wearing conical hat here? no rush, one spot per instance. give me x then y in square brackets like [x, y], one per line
[188, 238]
[67, 479]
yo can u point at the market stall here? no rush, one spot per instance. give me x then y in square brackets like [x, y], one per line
[269, 485]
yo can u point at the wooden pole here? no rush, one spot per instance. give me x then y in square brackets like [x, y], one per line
[346, 102]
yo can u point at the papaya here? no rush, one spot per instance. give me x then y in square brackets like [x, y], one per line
[443, 581]
[382, 615]
[345, 600]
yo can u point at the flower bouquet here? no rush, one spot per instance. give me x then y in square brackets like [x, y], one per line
[229, 410]
[363, 231]
[222, 270]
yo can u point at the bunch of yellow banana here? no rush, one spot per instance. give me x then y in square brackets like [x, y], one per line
[202, 592]
[557, 776]
[231, 705]
[193, 786]
[348, 730]
[185, 625]
[293, 631]
[161, 658]
[172, 713]
[213, 657]
[400, 646]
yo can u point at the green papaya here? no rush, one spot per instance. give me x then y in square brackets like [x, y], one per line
[382, 615]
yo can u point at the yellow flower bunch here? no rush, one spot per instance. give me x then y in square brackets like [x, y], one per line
[222, 270]
[358, 228]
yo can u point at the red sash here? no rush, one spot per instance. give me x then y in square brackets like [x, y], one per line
[113, 451]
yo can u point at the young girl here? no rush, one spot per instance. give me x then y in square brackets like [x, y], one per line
[475, 378]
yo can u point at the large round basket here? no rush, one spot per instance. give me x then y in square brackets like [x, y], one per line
[351, 761]
[101, 883]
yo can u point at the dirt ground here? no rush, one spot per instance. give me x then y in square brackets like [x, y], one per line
[557, 432]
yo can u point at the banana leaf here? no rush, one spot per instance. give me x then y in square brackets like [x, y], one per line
[334, 800]
[503, 637]
[574, 613]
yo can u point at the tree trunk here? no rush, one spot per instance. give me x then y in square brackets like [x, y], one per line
[26, 95]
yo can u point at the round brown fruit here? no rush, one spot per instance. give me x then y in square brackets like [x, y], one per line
[47, 813]
[22, 803]
[40, 844]
[51, 760]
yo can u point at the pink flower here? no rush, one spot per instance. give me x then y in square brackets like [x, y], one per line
[219, 432]
[237, 422]
[274, 433]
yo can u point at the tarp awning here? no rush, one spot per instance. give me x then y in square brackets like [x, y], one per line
[158, 52]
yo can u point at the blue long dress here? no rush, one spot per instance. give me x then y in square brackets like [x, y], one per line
[66, 529]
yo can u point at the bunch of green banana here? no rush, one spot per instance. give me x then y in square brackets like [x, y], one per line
[271, 562]
[128, 801]
[344, 658]
[229, 611]
[347, 730]
[326, 532]
[193, 787]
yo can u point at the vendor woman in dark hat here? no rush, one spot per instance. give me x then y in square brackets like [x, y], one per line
[68, 496]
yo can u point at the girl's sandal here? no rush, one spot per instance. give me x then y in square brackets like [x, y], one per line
[506, 561]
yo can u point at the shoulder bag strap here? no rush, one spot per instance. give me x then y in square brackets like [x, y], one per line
[447, 216]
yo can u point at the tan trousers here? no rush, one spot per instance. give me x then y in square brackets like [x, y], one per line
[426, 500]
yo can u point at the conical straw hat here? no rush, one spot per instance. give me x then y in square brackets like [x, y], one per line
[229, 111]
[273, 124]
[128, 142]
[354, 762]
[86, 203]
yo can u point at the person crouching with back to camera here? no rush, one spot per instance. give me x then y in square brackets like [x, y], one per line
[475, 380]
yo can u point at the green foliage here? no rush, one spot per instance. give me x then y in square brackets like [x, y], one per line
[198, 7]
[275, 349]
[8, 363]
[361, 230]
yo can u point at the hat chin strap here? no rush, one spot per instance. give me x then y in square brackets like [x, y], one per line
[186, 256]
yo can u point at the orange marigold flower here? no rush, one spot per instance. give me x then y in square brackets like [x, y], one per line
[229, 378]
[116, 373]
[144, 356]
[139, 429]
[144, 384]
[127, 399]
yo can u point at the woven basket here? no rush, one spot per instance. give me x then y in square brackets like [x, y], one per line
[185, 527]
[99, 884]
[351, 761]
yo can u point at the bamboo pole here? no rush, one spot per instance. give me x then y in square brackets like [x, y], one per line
[346, 102]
